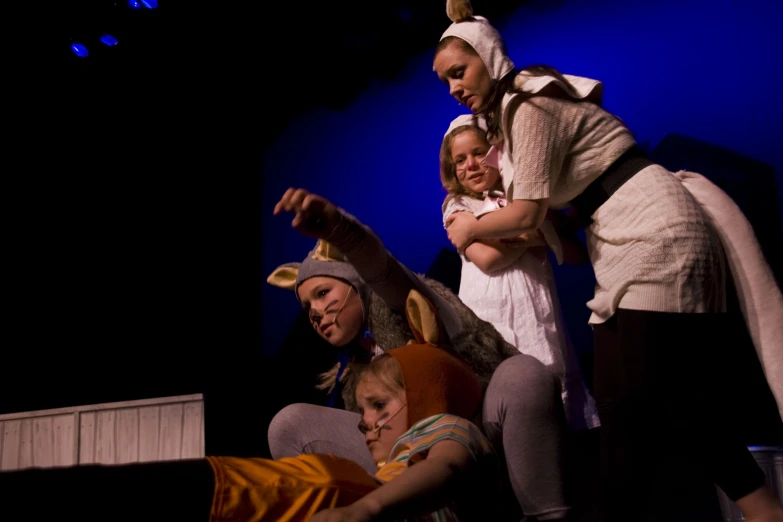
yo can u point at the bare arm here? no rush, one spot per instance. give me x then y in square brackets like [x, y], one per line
[387, 277]
[518, 217]
[493, 255]
[424, 487]
[539, 138]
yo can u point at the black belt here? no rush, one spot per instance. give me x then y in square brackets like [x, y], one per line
[632, 161]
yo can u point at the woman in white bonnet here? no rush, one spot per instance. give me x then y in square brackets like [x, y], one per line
[659, 243]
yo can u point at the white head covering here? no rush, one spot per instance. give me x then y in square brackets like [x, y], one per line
[487, 43]
[467, 120]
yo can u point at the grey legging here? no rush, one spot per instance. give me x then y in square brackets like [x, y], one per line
[522, 417]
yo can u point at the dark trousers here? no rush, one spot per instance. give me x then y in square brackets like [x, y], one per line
[179, 491]
[662, 389]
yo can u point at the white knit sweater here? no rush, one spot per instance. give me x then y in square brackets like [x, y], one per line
[658, 242]
[650, 244]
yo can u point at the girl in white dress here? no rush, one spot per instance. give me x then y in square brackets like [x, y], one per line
[509, 283]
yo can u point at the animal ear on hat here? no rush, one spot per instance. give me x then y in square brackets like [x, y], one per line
[324, 251]
[284, 276]
[423, 319]
[459, 10]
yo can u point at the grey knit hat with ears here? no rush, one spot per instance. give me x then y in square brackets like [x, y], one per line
[325, 260]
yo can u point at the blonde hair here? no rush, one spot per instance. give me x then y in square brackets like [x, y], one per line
[448, 169]
[383, 368]
[328, 379]
[386, 371]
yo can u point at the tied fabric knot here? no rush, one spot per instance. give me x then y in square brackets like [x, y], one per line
[493, 200]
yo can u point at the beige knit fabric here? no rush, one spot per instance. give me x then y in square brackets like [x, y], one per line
[759, 295]
[650, 244]
[653, 248]
[658, 243]
[557, 147]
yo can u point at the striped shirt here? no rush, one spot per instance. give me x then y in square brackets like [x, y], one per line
[413, 446]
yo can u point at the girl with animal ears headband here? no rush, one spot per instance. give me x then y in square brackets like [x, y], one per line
[658, 242]
[366, 287]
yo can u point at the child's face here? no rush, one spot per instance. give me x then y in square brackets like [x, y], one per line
[468, 151]
[335, 309]
[380, 407]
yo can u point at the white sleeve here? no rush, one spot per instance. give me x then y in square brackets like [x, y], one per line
[455, 204]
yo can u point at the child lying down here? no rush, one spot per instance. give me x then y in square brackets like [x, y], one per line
[433, 464]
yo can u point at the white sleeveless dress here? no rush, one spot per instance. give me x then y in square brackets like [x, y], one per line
[521, 303]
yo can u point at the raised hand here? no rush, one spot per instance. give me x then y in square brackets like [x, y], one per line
[314, 216]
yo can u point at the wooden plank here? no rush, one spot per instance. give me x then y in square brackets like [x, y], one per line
[105, 442]
[43, 442]
[104, 406]
[26, 444]
[63, 428]
[11, 434]
[127, 435]
[149, 433]
[170, 447]
[87, 438]
[192, 430]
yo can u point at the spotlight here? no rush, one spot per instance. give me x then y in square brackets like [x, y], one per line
[79, 50]
[150, 4]
[109, 40]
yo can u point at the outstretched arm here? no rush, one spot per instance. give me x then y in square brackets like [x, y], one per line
[387, 277]
[423, 488]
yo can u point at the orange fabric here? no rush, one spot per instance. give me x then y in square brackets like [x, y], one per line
[284, 490]
[436, 382]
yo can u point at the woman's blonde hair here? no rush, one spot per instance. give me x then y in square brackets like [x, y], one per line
[448, 169]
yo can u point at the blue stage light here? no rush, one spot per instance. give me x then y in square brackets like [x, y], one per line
[79, 50]
[134, 4]
[109, 40]
[150, 4]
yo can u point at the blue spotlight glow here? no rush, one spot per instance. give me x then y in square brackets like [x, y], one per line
[109, 40]
[79, 50]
